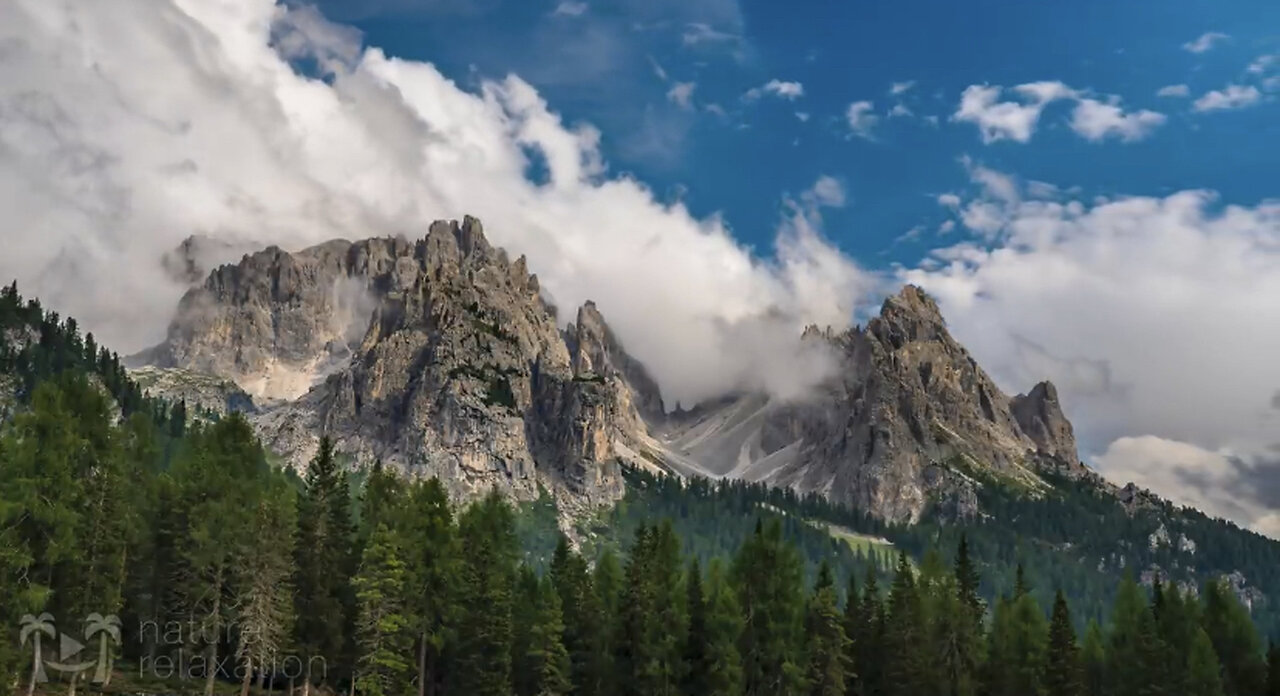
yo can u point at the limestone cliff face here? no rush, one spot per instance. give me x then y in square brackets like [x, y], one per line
[910, 419]
[438, 356]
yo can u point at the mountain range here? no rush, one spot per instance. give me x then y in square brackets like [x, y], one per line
[442, 356]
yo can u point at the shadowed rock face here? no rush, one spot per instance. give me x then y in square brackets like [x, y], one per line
[440, 356]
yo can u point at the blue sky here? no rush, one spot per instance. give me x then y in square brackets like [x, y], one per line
[615, 63]
[1091, 190]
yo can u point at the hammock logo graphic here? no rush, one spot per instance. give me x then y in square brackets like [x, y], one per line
[59, 651]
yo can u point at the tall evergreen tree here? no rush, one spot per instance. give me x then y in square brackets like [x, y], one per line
[724, 627]
[581, 613]
[1134, 648]
[905, 633]
[322, 569]
[1177, 624]
[869, 658]
[1203, 672]
[1093, 659]
[827, 643]
[1235, 641]
[697, 664]
[482, 661]
[429, 539]
[1063, 673]
[265, 615]
[852, 622]
[769, 578]
[607, 579]
[546, 655]
[968, 581]
[383, 631]
[219, 480]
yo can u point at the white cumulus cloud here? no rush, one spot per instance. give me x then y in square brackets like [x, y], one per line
[1174, 91]
[1095, 121]
[1155, 316]
[120, 138]
[1012, 120]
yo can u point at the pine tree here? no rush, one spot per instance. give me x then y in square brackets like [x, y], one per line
[672, 615]
[1062, 674]
[1235, 641]
[581, 613]
[524, 614]
[607, 581]
[1093, 659]
[265, 615]
[219, 480]
[870, 639]
[967, 582]
[697, 664]
[547, 656]
[482, 662]
[1177, 624]
[636, 636]
[1203, 674]
[905, 634]
[827, 643]
[429, 539]
[768, 574]
[383, 633]
[724, 628]
[963, 676]
[1134, 650]
[322, 570]
[852, 622]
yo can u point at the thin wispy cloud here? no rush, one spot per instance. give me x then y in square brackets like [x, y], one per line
[1228, 98]
[781, 89]
[1205, 42]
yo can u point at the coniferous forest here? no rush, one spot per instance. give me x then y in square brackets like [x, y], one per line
[187, 562]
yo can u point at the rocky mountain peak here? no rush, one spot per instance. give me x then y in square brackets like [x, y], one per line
[596, 353]
[1040, 416]
[910, 315]
[436, 355]
[908, 419]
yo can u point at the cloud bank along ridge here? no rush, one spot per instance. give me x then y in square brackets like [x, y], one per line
[1157, 317]
[121, 138]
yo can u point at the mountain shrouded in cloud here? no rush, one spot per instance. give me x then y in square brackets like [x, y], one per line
[127, 126]
[123, 137]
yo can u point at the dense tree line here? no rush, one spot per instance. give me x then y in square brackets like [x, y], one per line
[251, 576]
[1076, 537]
[224, 569]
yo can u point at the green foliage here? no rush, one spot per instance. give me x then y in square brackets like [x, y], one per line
[382, 632]
[827, 646]
[1062, 674]
[120, 505]
[486, 580]
[324, 601]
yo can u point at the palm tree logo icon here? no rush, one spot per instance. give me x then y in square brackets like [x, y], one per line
[104, 628]
[34, 628]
